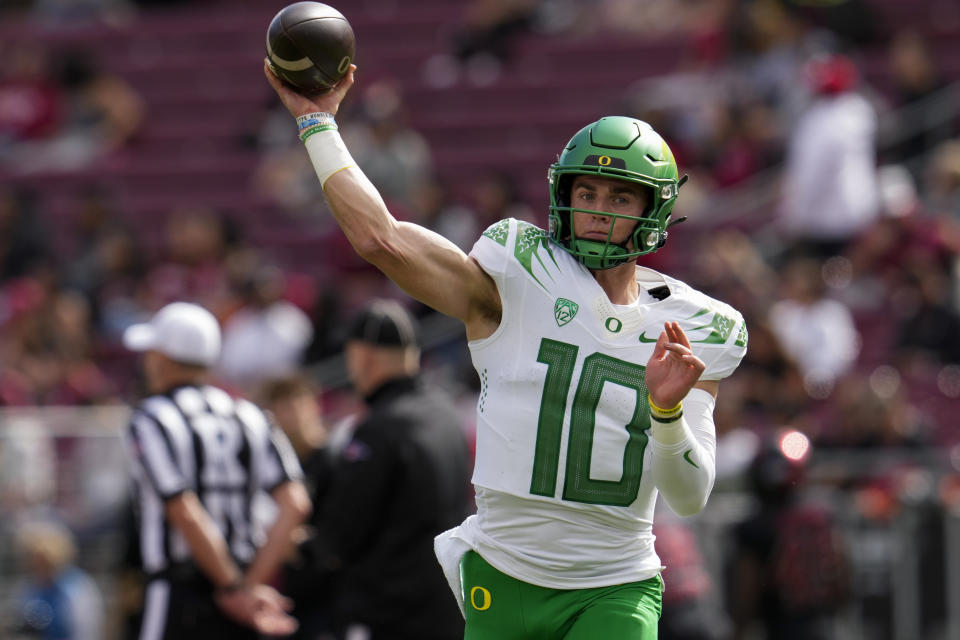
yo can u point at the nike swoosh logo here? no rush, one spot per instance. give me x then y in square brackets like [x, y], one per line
[643, 338]
[686, 456]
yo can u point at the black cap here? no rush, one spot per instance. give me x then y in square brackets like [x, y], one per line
[384, 323]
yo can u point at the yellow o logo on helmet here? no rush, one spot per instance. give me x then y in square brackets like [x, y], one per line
[485, 598]
[604, 161]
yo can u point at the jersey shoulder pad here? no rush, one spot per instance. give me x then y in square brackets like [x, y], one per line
[717, 331]
[512, 247]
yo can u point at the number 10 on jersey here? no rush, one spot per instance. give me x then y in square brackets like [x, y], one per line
[598, 369]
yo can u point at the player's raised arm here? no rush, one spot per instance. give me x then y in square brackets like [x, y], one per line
[424, 264]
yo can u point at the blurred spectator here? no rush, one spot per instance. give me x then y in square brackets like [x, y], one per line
[107, 265]
[284, 174]
[941, 183]
[392, 154]
[47, 347]
[928, 322]
[688, 612]
[773, 385]
[294, 404]
[740, 143]
[94, 212]
[495, 196]
[30, 101]
[654, 18]
[770, 379]
[104, 111]
[197, 242]
[898, 191]
[830, 178]
[28, 472]
[267, 336]
[23, 241]
[101, 114]
[59, 600]
[432, 204]
[111, 275]
[818, 333]
[915, 77]
[489, 27]
[737, 442]
[855, 21]
[790, 567]
[874, 412]
[767, 42]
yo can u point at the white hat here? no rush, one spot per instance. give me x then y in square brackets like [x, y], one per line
[183, 332]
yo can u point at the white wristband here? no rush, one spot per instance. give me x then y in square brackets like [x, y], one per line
[328, 154]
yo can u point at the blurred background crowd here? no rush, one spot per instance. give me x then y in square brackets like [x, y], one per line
[143, 159]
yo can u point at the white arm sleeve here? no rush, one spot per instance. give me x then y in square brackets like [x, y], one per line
[684, 455]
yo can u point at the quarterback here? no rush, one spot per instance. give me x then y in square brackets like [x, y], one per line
[598, 378]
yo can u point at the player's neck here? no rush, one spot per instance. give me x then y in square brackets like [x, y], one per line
[619, 283]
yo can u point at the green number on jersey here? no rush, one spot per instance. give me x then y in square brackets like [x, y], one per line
[598, 369]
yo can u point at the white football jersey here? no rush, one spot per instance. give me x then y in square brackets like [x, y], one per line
[562, 416]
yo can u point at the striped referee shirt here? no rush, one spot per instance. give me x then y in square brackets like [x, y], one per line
[200, 439]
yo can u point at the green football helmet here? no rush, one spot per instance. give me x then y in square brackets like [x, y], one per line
[625, 149]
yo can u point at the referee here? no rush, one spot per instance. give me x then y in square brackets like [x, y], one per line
[199, 457]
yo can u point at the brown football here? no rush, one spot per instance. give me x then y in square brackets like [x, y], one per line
[310, 46]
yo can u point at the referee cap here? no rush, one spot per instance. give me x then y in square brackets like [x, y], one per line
[384, 323]
[182, 331]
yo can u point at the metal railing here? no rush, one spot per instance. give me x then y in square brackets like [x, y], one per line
[69, 463]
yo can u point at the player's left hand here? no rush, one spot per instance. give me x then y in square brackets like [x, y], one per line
[299, 104]
[672, 370]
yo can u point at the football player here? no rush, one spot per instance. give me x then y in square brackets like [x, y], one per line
[599, 378]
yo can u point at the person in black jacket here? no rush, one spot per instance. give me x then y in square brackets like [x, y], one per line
[402, 479]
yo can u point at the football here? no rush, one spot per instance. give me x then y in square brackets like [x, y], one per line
[310, 46]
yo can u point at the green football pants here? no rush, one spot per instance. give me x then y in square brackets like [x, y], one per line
[499, 607]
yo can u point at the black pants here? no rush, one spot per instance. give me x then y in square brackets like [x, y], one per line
[175, 610]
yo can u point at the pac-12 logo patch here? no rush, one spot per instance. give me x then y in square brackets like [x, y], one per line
[564, 310]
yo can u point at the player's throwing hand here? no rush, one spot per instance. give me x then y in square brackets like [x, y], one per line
[298, 104]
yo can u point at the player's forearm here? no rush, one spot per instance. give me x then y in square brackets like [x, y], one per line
[294, 507]
[207, 547]
[355, 202]
[360, 212]
[684, 464]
